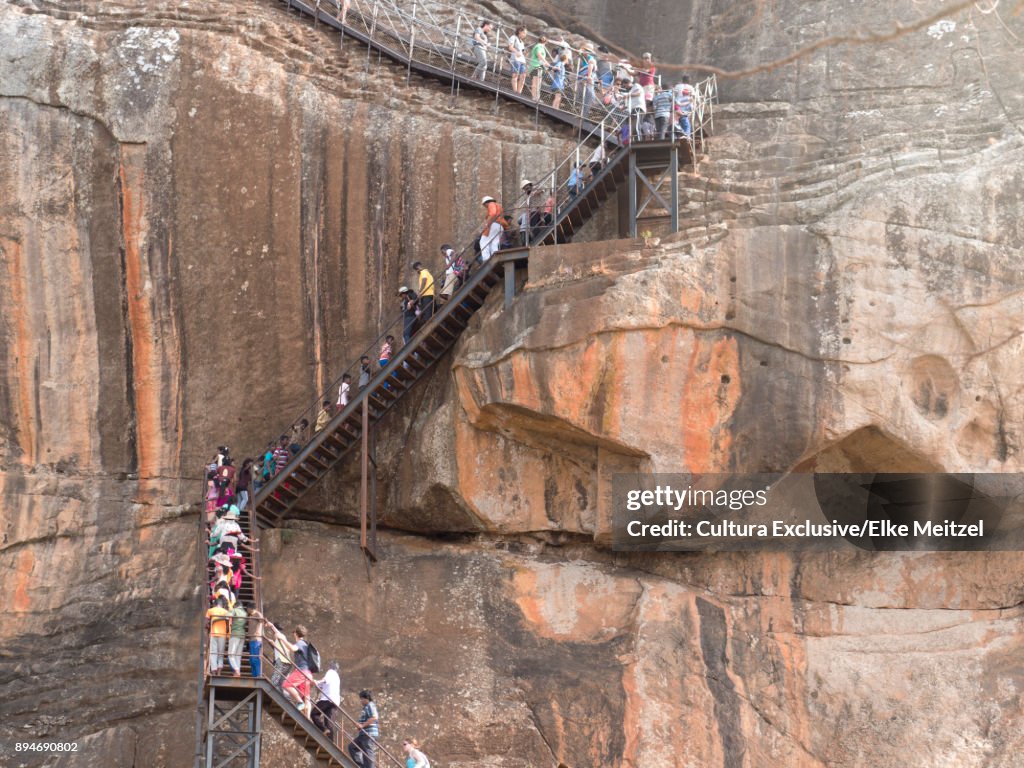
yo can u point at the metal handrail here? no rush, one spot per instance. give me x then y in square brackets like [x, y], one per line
[383, 375]
[204, 634]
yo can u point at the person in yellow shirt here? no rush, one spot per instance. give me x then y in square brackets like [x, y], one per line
[323, 417]
[219, 631]
[425, 289]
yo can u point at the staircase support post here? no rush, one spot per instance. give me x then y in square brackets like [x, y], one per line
[631, 193]
[256, 726]
[367, 506]
[674, 181]
[364, 471]
[233, 729]
[510, 283]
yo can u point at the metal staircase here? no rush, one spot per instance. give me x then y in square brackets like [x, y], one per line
[349, 427]
[235, 725]
[230, 712]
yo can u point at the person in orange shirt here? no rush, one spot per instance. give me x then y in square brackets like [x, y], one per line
[219, 631]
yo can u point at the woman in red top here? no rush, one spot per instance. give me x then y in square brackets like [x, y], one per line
[646, 76]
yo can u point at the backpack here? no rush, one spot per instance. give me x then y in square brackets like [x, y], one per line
[312, 657]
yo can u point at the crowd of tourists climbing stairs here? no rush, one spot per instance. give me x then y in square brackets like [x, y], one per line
[574, 81]
[250, 665]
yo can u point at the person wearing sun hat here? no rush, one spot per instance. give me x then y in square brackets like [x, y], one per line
[586, 76]
[490, 234]
[221, 559]
[220, 588]
[231, 535]
[525, 212]
[223, 570]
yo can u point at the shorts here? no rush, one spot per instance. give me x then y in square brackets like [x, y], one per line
[298, 680]
[518, 67]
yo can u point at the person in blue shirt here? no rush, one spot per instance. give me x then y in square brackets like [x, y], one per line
[363, 749]
[575, 182]
[558, 78]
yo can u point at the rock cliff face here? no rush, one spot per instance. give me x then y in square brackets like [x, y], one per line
[206, 210]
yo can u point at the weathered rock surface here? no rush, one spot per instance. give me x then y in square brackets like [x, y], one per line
[194, 202]
[499, 654]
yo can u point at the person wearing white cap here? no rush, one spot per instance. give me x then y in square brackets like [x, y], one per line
[586, 76]
[646, 76]
[526, 213]
[636, 104]
[455, 268]
[410, 312]
[683, 94]
[490, 234]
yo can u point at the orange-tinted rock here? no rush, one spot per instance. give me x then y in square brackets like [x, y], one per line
[206, 216]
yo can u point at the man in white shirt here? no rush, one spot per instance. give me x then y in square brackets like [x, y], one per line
[344, 390]
[330, 700]
[517, 59]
